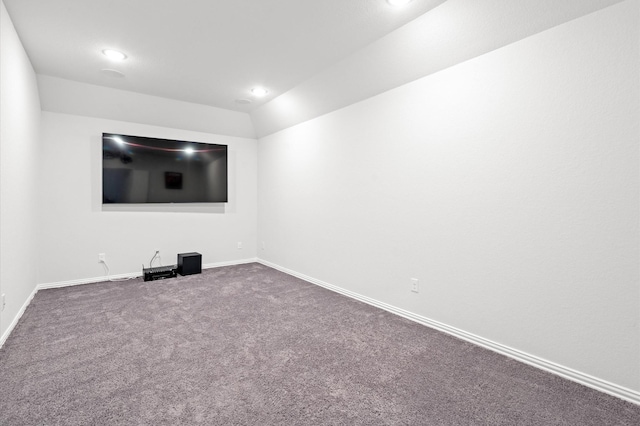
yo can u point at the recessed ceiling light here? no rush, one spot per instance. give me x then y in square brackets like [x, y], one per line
[398, 2]
[112, 73]
[114, 55]
[259, 91]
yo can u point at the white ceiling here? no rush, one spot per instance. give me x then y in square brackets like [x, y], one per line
[315, 56]
[454, 32]
[209, 52]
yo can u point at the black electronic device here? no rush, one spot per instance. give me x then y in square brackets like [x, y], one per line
[137, 170]
[189, 263]
[159, 272]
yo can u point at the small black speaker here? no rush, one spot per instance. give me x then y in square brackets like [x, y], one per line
[189, 263]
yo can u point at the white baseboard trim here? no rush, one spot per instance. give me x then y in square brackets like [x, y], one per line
[104, 278]
[16, 319]
[560, 370]
[93, 280]
[230, 263]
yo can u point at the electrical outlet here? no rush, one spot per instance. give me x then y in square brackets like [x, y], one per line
[3, 301]
[239, 245]
[102, 257]
[264, 246]
[415, 287]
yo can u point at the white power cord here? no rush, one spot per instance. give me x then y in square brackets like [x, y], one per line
[157, 254]
[106, 267]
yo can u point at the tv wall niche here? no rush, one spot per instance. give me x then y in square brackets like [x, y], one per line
[142, 170]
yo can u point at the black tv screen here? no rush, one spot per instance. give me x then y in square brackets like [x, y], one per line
[138, 170]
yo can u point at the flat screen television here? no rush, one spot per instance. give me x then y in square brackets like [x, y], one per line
[138, 170]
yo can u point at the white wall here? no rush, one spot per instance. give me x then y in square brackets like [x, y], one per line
[75, 227]
[72, 97]
[508, 185]
[19, 144]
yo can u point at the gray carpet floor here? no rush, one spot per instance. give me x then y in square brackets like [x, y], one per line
[248, 345]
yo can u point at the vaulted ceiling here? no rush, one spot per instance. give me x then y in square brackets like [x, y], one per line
[314, 55]
[210, 52]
